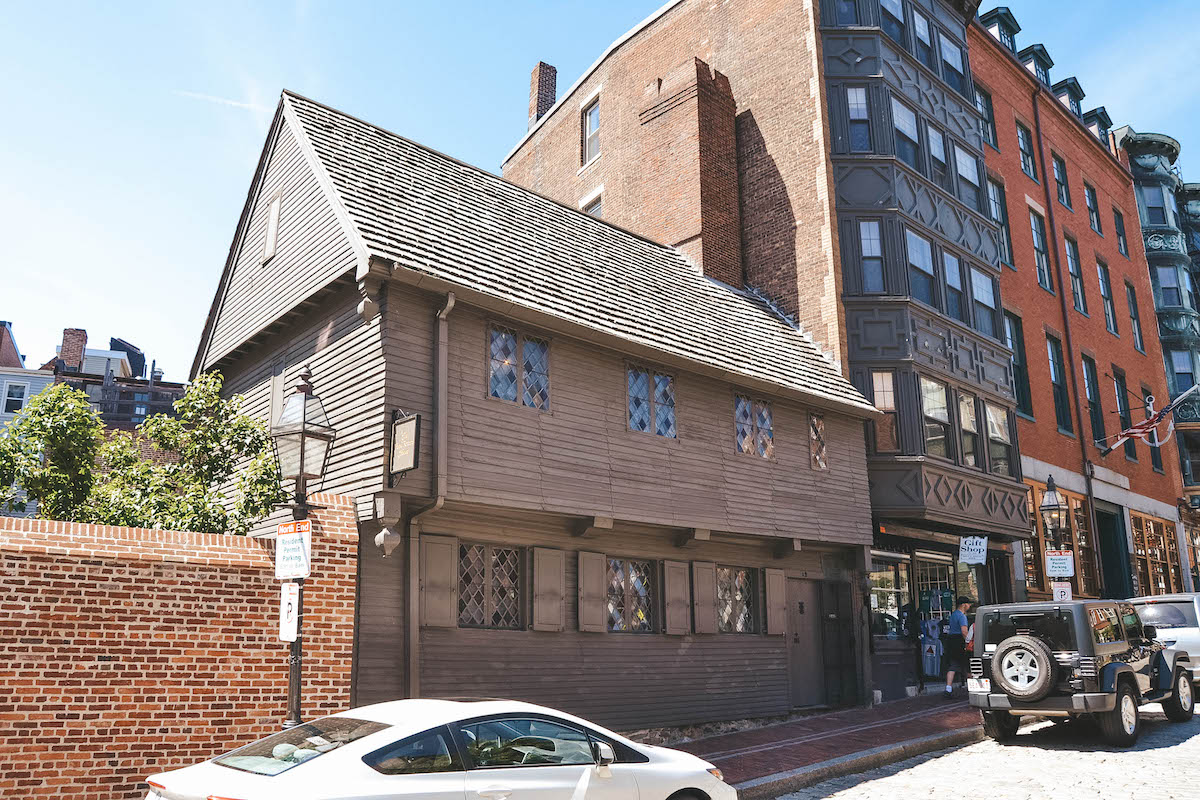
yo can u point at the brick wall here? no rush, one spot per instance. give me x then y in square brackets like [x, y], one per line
[125, 651]
[74, 343]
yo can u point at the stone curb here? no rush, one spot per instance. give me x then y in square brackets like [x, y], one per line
[770, 786]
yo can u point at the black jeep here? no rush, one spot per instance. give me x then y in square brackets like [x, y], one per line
[1071, 659]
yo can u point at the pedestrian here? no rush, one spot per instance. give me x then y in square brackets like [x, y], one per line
[956, 643]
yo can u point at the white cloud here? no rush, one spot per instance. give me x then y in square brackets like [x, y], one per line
[255, 107]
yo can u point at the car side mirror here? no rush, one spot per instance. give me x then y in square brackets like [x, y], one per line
[1149, 632]
[603, 753]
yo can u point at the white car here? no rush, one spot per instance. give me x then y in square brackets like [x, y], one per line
[1175, 618]
[446, 750]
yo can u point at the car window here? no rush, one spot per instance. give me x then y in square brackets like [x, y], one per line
[282, 751]
[1105, 628]
[1168, 615]
[515, 741]
[431, 751]
[1133, 623]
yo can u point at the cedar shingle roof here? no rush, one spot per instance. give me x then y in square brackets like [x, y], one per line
[437, 216]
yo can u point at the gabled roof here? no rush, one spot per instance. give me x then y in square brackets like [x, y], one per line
[1070, 86]
[1001, 15]
[439, 218]
[1036, 52]
[1098, 115]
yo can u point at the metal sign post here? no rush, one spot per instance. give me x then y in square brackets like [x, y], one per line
[293, 559]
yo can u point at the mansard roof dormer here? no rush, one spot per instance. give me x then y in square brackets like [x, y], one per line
[1098, 122]
[1070, 94]
[1003, 25]
[1038, 61]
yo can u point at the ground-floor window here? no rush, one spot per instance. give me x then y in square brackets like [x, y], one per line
[891, 600]
[1074, 534]
[489, 586]
[1192, 531]
[936, 588]
[630, 583]
[736, 600]
[1157, 555]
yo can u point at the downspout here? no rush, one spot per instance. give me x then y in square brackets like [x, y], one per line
[441, 372]
[1066, 312]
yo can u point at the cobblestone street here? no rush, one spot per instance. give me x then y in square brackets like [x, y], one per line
[1045, 761]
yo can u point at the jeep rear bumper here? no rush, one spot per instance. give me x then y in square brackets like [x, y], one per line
[1080, 703]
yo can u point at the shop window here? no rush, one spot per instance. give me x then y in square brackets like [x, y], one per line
[887, 435]
[753, 426]
[651, 398]
[891, 600]
[935, 407]
[1074, 535]
[630, 595]
[519, 368]
[1156, 554]
[936, 588]
[736, 600]
[489, 586]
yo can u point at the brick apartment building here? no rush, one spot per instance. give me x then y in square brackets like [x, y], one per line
[829, 156]
[1079, 317]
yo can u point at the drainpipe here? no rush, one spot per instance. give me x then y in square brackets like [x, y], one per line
[441, 371]
[1088, 466]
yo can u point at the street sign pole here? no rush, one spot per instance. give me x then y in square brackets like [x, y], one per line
[296, 650]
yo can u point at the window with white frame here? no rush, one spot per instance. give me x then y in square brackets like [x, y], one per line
[753, 426]
[998, 210]
[860, 119]
[595, 208]
[935, 408]
[871, 245]
[15, 395]
[956, 305]
[893, 20]
[518, 368]
[887, 433]
[968, 422]
[651, 397]
[737, 600]
[939, 171]
[1075, 270]
[968, 177]
[920, 269]
[983, 293]
[1000, 449]
[1093, 207]
[591, 131]
[908, 148]
[489, 586]
[923, 40]
[953, 71]
[630, 595]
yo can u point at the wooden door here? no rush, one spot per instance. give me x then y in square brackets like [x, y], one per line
[805, 661]
[838, 650]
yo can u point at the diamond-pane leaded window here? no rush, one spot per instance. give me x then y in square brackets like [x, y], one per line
[630, 595]
[816, 437]
[754, 426]
[489, 586]
[506, 351]
[736, 600]
[651, 402]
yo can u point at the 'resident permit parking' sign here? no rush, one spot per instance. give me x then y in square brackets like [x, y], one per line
[293, 549]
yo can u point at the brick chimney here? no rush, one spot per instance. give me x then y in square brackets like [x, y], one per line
[74, 342]
[689, 170]
[543, 90]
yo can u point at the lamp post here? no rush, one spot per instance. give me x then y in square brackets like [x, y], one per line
[302, 438]
[1054, 512]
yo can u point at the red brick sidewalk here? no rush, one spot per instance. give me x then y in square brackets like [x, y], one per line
[778, 748]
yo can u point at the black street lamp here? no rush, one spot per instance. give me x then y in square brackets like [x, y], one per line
[1054, 512]
[302, 438]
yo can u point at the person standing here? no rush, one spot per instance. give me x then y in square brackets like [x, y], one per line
[956, 643]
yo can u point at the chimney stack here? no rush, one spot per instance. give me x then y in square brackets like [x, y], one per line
[74, 343]
[543, 90]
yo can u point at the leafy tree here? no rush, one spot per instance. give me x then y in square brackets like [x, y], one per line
[49, 451]
[223, 476]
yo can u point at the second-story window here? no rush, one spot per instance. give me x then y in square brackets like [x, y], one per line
[920, 269]
[1093, 207]
[1000, 449]
[651, 398]
[15, 395]
[1058, 380]
[968, 177]
[893, 20]
[1014, 337]
[519, 368]
[860, 119]
[1025, 145]
[968, 421]
[953, 70]
[818, 455]
[887, 434]
[923, 40]
[872, 257]
[1091, 388]
[1182, 369]
[753, 426]
[998, 210]
[987, 125]
[1135, 319]
[1076, 272]
[1060, 180]
[1110, 311]
[935, 408]
[591, 131]
[1119, 227]
[1041, 253]
[908, 148]
[983, 292]
[956, 305]
[1123, 412]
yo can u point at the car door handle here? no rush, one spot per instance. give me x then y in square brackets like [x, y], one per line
[495, 792]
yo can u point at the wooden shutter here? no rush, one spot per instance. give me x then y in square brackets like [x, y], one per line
[439, 581]
[677, 591]
[548, 600]
[593, 585]
[776, 602]
[704, 596]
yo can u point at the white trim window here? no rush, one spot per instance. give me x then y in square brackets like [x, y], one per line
[908, 147]
[16, 395]
[591, 131]
[968, 177]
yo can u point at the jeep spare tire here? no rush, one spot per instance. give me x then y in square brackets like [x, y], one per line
[1023, 667]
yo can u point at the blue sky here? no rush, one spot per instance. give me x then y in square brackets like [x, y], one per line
[131, 138]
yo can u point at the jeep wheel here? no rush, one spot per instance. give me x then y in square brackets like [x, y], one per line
[1121, 725]
[1182, 703]
[1023, 667]
[1001, 725]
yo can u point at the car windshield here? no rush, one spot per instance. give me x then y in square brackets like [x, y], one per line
[1179, 614]
[286, 749]
[1055, 628]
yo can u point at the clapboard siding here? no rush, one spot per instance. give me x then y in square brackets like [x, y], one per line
[623, 680]
[379, 667]
[581, 458]
[346, 357]
[312, 250]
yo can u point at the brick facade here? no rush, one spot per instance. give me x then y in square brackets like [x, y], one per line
[542, 86]
[124, 651]
[74, 344]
